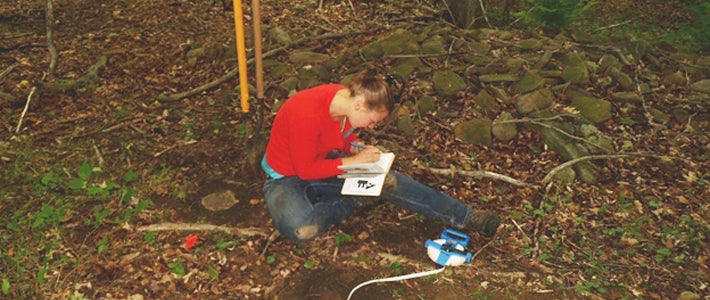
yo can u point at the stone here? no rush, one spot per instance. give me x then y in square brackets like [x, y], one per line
[372, 50]
[403, 67]
[448, 83]
[530, 81]
[658, 115]
[593, 109]
[622, 79]
[565, 176]
[404, 123]
[488, 78]
[607, 62]
[219, 201]
[401, 42]
[702, 86]
[514, 65]
[485, 100]
[626, 97]
[534, 101]
[505, 131]
[476, 132]
[575, 69]
[434, 45]
[530, 44]
[478, 47]
[279, 35]
[426, 104]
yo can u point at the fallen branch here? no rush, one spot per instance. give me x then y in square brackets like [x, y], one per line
[572, 162]
[555, 128]
[201, 227]
[235, 71]
[488, 174]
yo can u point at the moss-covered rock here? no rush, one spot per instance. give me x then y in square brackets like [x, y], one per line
[448, 83]
[504, 131]
[593, 109]
[534, 101]
[530, 81]
[426, 104]
[476, 132]
[485, 100]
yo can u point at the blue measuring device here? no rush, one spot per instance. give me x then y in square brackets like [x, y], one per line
[449, 249]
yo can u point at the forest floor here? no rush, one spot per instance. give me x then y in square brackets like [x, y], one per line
[86, 171]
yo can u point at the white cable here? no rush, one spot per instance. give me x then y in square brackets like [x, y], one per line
[397, 278]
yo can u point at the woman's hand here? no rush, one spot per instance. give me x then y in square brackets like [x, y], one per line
[369, 154]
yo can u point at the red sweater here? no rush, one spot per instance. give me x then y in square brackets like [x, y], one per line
[303, 134]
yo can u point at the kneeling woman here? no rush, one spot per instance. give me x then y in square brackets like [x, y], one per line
[303, 191]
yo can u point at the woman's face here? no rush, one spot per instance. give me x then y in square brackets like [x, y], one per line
[365, 117]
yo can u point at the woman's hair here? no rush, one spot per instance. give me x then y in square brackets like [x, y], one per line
[374, 88]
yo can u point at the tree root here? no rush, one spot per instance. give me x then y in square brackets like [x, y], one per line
[91, 76]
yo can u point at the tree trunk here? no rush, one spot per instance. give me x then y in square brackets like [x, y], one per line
[463, 13]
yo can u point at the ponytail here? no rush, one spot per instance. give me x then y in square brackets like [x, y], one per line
[374, 88]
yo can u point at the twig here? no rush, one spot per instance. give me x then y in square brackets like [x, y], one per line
[24, 111]
[485, 14]
[190, 142]
[482, 248]
[612, 26]
[50, 39]
[7, 71]
[527, 238]
[272, 237]
[201, 227]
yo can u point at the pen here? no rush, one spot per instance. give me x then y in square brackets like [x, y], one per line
[356, 145]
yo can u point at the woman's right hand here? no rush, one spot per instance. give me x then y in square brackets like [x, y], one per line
[368, 155]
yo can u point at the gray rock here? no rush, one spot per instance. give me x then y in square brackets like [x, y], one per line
[219, 201]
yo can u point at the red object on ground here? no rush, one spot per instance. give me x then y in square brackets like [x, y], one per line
[191, 241]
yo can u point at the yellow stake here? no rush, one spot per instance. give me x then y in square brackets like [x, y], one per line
[241, 54]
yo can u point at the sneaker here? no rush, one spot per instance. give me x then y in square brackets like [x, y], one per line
[484, 222]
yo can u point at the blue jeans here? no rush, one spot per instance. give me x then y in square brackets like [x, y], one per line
[305, 209]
